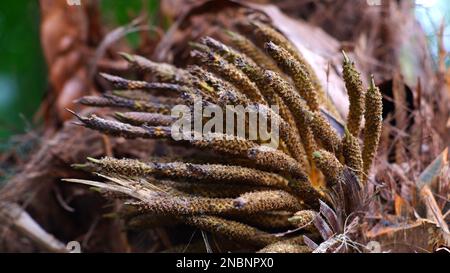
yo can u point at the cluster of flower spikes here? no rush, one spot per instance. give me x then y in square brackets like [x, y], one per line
[256, 189]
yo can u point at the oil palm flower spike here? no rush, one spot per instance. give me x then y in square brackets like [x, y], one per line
[352, 154]
[356, 95]
[191, 212]
[269, 220]
[247, 47]
[323, 131]
[142, 118]
[329, 165]
[253, 71]
[212, 173]
[232, 229]
[372, 128]
[142, 95]
[246, 204]
[256, 74]
[295, 245]
[166, 73]
[252, 186]
[135, 105]
[269, 34]
[262, 156]
[304, 219]
[230, 73]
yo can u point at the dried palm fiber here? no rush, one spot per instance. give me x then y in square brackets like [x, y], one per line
[401, 116]
[352, 154]
[356, 96]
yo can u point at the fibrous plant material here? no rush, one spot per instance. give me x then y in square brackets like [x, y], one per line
[242, 184]
[372, 128]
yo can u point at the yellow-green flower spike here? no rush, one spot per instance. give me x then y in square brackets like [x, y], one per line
[373, 126]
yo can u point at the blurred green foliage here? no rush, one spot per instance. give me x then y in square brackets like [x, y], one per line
[22, 67]
[23, 79]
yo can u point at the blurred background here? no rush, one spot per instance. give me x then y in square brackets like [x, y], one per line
[23, 72]
[23, 76]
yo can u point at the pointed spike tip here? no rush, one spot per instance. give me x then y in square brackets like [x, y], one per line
[80, 166]
[346, 59]
[93, 160]
[128, 57]
[372, 82]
